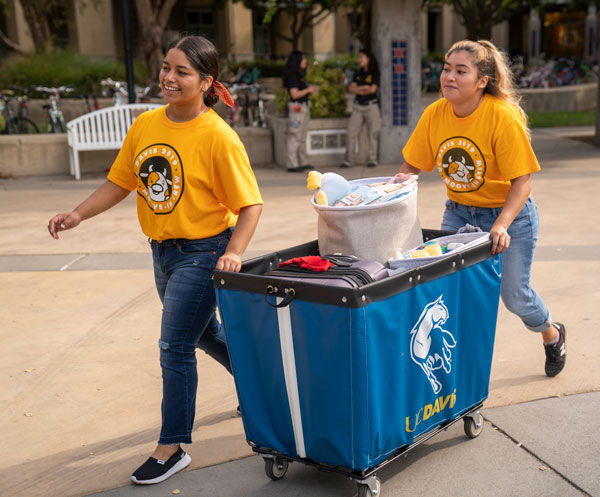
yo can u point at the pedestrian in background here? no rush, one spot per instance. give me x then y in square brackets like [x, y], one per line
[477, 137]
[298, 110]
[194, 183]
[365, 109]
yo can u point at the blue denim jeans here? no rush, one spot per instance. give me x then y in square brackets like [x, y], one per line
[516, 291]
[182, 271]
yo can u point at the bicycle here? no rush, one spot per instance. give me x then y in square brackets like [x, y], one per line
[430, 76]
[90, 103]
[19, 124]
[56, 120]
[118, 90]
[250, 105]
[115, 89]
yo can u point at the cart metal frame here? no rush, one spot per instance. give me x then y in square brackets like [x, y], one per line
[369, 485]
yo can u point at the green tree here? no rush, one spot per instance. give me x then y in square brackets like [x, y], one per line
[302, 13]
[479, 16]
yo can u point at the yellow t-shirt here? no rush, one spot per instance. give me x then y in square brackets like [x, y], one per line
[191, 178]
[477, 155]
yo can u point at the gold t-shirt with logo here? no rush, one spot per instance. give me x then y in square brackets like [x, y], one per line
[191, 178]
[477, 155]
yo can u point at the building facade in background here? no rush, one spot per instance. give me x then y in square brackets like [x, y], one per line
[240, 34]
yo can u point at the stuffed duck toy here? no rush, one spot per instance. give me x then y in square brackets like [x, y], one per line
[331, 187]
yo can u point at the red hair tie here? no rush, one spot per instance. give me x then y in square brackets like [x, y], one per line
[223, 93]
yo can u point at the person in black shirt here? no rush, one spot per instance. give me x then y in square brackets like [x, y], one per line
[365, 110]
[298, 111]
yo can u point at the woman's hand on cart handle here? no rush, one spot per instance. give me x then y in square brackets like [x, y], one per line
[500, 238]
[229, 261]
[248, 217]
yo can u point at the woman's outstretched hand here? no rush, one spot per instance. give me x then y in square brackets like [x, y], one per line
[62, 222]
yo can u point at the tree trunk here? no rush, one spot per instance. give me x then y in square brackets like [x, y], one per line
[480, 31]
[152, 19]
[8, 43]
[597, 138]
[38, 25]
[364, 28]
[478, 16]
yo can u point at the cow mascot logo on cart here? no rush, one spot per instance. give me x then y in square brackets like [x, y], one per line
[430, 344]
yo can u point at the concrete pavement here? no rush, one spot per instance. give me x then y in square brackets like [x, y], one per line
[80, 380]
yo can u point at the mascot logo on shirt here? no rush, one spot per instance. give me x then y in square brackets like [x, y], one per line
[461, 165]
[160, 177]
[430, 344]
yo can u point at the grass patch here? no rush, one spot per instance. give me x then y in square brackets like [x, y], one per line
[556, 119]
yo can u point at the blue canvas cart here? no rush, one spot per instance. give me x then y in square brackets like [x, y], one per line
[348, 379]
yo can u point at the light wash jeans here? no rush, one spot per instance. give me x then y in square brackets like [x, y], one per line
[516, 291]
[182, 272]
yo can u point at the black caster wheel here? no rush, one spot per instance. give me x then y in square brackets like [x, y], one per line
[371, 489]
[276, 467]
[473, 424]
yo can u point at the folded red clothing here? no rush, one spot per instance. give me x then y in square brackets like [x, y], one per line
[313, 262]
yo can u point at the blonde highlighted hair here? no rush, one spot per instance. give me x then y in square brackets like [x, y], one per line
[493, 63]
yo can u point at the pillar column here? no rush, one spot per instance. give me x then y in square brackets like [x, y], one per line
[94, 28]
[534, 39]
[16, 27]
[324, 38]
[241, 43]
[397, 44]
[590, 52]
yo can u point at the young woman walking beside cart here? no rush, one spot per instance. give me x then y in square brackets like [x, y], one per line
[477, 137]
[298, 111]
[194, 184]
[365, 109]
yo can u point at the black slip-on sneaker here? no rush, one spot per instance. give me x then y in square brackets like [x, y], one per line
[371, 164]
[155, 470]
[556, 354]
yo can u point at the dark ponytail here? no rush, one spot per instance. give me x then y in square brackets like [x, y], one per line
[292, 65]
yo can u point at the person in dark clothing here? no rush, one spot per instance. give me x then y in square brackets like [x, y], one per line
[365, 109]
[298, 111]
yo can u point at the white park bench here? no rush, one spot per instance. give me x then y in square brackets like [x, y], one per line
[103, 129]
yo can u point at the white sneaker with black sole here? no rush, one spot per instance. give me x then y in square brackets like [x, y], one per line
[155, 470]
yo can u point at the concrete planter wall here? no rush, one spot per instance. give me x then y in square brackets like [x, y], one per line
[560, 99]
[322, 157]
[31, 155]
[26, 155]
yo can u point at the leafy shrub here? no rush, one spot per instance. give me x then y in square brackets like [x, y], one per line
[329, 76]
[331, 99]
[259, 67]
[64, 67]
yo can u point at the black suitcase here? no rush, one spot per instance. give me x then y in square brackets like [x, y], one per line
[349, 272]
